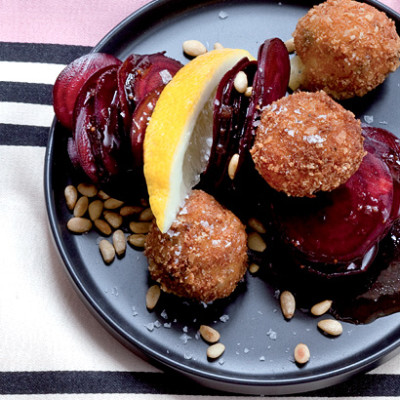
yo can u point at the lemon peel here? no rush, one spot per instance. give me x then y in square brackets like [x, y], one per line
[179, 134]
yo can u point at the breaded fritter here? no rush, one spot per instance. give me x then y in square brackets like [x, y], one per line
[347, 48]
[203, 255]
[306, 142]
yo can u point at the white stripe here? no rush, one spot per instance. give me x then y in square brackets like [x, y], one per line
[29, 72]
[26, 114]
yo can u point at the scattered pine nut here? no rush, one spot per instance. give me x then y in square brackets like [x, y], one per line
[95, 209]
[194, 48]
[215, 350]
[232, 167]
[301, 353]
[290, 45]
[296, 73]
[256, 242]
[71, 196]
[107, 251]
[103, 227]
[253, 268]
[331, 327]
[119, 242]
[79, 225]
[257, 225]
[139, 227]
[249, 91]
[209, 334]
[146, 215]
[152, 296]
[137, 239]
[288, 304]
[321, 307]
[87, 189]
[112, 204]
[240, 82]
[102, 195]
[81, 206]
[218, 46]
[113, 218]
[127, 211]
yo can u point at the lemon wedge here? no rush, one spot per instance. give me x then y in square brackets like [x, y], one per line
[179, 135]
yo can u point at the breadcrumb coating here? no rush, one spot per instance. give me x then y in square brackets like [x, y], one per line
[347, 48]
[203, 255]
[306, 142]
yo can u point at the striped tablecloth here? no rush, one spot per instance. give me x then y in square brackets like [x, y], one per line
[50, 345]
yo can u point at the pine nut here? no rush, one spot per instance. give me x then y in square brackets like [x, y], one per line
[87, 189]
[103, 227]
[240, 82]
[137, 240]
[249, 91]
[102, 195]
[79, 225]
[152, 296]
[218, 46]
[288, 304]
[257, 225]
[321, 307]
[209, 334]
[113, 218]
[290, 45]
[301, 353]
[107, 251]
[81, 206]
[256, 242]
[139, 227]
[253, 268]
[296, 73]
[71, 196]
[331, 327]
[146, 215]
[232, 167]
[215, 350]
[194, 48]
[95, 209]
[127, 211]
[112, 204]
[119, 242]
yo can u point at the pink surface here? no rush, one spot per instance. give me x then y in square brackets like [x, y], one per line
[70, 22]
[65, 22]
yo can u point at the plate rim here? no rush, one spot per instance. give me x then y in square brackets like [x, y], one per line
[211, 380]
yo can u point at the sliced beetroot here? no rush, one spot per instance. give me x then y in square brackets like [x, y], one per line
[141, 74]
[96, 132]
[71, 79]
[73, 152]
[140, 120]
[270, 83]
[343, 225]
[230, 106]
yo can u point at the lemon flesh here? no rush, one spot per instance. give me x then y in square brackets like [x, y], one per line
[178, 138]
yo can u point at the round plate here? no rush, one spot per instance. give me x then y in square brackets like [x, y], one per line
[259, 342]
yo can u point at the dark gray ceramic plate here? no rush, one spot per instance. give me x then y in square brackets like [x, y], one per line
[259, 342]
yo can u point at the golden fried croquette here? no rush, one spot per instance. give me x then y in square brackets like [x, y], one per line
[347, 48]
[203, 255]
[306, 142]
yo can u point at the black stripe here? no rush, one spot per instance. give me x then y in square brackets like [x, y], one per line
[23, 135]
[49, 382]
[40, 52]
[33, 93]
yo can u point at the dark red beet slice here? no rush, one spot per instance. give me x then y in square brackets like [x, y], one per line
[140, 120]
[71, 79]
[139, 75]
[96, 133]
[342, 225]
[230, 106]
[270, 83]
